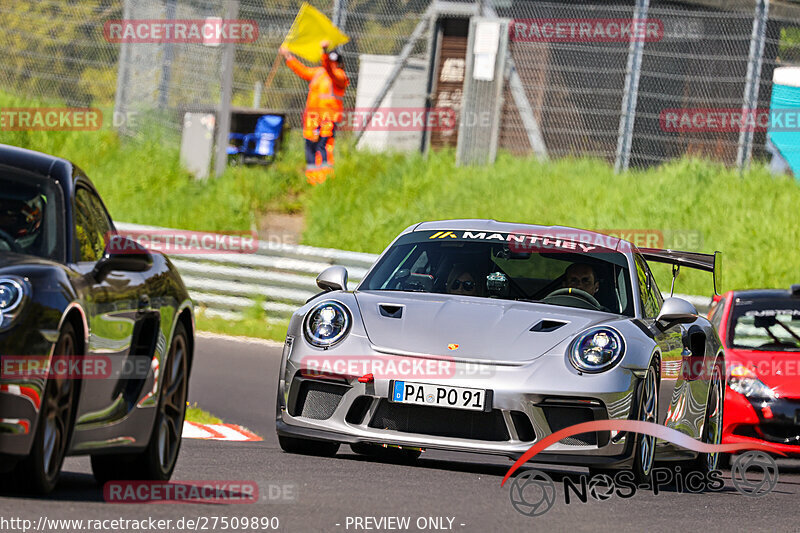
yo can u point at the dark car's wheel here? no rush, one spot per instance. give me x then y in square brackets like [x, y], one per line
[390, 453]
[40, 470]
[157, 461]
[644, 451]
[307, 446]
[712, 426]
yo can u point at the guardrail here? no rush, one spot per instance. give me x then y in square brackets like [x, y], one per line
[279, 277]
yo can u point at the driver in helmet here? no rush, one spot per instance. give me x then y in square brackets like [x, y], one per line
[21, 220]
[582, 276]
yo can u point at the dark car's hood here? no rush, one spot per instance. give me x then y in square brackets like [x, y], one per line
[483, 328]
[24, 264]
[780, 371]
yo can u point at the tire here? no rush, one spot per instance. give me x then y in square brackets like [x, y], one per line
[724, 462]
[319, 448]
[712, 425]
[157, 461]
[40, 470]
[379, 452]
[644, 450]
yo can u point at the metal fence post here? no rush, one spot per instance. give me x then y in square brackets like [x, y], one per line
[226, 93]
[631, 94]
[123, 75]
[339, 18]
[483, 93]
[750, 102]
[257, 94]
[166, 62]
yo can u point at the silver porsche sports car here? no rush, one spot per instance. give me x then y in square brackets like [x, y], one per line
[483, 336]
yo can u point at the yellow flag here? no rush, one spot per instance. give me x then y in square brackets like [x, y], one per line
[310, 27]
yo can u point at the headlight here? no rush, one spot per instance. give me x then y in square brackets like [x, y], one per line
[326, 324]
[745, 382]
[596, 350]
[12, 293]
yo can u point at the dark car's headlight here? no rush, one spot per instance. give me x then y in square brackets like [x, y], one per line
[327, 324]
[596, 349]
[12, 295]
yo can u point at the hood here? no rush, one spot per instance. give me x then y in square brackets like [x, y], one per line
[14, 263]
[483, 329]
[778, 370]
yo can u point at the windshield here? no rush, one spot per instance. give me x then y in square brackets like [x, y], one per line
[772, 325]
[505, 266]
[30, 223]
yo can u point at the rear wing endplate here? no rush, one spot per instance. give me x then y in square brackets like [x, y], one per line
[696, 260]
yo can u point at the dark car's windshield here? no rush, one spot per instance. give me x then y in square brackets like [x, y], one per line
[505, 266]
[766, 324]
[30, 216]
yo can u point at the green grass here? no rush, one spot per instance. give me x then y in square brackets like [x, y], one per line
[141, 179]
[260, 328]
[752, 218]
[198, 416]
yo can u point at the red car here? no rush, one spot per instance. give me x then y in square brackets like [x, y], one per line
[760, 332]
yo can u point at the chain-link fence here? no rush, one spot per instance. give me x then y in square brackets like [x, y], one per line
[698, 60]
[586, 95]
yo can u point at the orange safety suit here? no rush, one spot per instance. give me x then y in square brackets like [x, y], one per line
[324, 107]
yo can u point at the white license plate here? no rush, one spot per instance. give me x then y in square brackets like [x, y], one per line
[438, 395]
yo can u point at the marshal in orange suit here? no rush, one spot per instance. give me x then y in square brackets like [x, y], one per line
[324, 107]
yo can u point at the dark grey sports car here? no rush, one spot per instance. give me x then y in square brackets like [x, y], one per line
[483, 336]
[96, 343]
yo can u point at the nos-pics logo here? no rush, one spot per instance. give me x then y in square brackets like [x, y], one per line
[533, 492]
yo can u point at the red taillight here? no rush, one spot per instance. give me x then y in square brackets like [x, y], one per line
[366, 378]
[767, 411]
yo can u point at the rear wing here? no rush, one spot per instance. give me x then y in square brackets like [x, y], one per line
[696, 260]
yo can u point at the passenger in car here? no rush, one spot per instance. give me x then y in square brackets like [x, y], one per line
[462, 281]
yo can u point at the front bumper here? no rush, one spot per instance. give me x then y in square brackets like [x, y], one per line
[528, 403]
[771, 421]
[20, 396]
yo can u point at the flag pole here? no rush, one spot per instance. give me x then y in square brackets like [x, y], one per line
[277, 61]
[272, 71]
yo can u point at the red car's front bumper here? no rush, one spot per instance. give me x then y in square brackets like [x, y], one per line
[775, 421]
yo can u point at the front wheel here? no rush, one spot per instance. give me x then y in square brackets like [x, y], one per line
[40, 470]
[645, 448]
[712, 425]
[157, 461]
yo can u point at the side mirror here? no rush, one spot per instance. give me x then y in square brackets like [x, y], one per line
[123, 254]
[333, 278]
[675, 311]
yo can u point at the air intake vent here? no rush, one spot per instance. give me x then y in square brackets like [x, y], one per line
[523, 426]
[546, 326]
[391, 311]
[440, 421]
[317, 400]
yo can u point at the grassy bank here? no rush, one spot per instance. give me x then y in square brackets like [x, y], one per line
[141, 179]
[751, 218]
[199, 416]
[248, 326]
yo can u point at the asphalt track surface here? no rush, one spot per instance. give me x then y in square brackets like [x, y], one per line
[442, 492]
